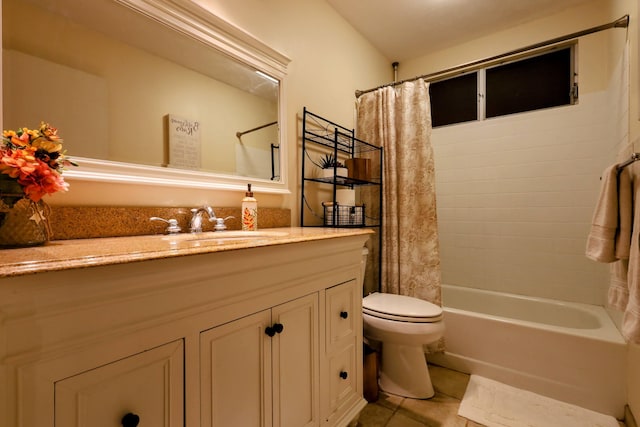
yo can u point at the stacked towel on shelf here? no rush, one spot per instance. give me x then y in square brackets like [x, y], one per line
[614, 239]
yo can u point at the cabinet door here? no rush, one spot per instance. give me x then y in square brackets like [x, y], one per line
[341, 314]
[235, 373]
[342, 369]
[148, 385]
[343, 379]
[296, 363]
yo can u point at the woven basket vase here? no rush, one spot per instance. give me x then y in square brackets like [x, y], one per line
[23, 222]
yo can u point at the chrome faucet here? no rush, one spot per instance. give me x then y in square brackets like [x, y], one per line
[196, 218]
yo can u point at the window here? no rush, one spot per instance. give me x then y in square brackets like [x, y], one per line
[536, 82]
[454, 100]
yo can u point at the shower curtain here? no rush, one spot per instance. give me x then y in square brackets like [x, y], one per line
[399, 119]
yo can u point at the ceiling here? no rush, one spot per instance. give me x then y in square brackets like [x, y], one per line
[406, 29]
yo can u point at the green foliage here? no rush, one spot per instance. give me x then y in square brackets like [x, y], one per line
[329, 161]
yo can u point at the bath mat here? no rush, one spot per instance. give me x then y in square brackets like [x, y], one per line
[494, 404]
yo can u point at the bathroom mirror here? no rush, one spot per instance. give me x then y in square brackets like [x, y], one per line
[147, 91]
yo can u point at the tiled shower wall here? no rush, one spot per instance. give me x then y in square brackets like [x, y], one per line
[516, 195]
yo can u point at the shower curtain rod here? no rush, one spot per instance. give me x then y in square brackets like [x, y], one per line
[239, 134]
[619, 23]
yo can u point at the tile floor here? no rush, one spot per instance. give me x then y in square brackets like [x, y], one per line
[439, 411]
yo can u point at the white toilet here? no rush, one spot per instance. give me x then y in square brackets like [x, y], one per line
[403, 326]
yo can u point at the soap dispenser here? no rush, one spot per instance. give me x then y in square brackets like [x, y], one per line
[249, 211]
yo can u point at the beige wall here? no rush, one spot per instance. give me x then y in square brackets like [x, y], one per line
[329, 61]
[591, 14]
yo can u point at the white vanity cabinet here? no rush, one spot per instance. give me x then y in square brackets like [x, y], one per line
[146, 388]
[263, 336]
[263, 369]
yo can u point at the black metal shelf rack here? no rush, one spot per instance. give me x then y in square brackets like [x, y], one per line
[318, 203]
[319, 137]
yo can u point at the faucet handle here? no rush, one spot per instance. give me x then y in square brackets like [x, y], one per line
[173, 226]
[220, 225]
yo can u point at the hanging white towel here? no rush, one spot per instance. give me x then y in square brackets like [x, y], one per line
[614, 238]
[625, 213]
[601, 241]
[631, 318]
[618, 295]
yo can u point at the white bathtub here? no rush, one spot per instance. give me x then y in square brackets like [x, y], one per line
[567, 351]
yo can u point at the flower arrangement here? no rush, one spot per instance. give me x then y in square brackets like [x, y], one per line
[34, 159]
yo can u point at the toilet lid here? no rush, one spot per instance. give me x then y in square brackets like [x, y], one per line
[400, 307]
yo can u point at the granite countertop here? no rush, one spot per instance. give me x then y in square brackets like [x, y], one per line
[78, 253]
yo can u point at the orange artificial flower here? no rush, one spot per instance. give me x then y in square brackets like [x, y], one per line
[35, 160]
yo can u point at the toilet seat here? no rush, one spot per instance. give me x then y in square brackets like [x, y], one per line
[400, 308]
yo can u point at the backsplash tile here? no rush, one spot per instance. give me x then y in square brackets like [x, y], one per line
[84, 222]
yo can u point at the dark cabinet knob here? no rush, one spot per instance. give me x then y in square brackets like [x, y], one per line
[275, 329]
[344, 314]
[278, 327]
[130, 420]
[344, 375]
